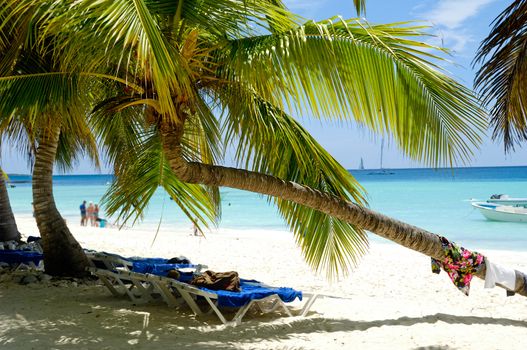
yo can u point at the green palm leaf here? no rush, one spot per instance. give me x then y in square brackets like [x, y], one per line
[123, 26]
[375, 75]
[253, 124]
[503, 76]
[130, 193]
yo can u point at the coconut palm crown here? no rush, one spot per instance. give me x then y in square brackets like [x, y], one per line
[502, 78]
[179, 82]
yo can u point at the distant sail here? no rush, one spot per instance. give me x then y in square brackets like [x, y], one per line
[361, 166]
[382, 150]
[381, 170]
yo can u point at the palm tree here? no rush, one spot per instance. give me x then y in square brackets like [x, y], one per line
[8, 228]
[50, 144]
[171, 66]
[502, 78]
[52, 127]
[63, 255]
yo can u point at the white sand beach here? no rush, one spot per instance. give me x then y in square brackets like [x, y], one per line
[392, 300]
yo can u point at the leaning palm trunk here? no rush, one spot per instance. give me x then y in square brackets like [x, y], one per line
[409, 236]
[63, 255]
[8, 229]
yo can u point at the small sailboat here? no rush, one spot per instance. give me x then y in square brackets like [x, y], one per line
[361, 165]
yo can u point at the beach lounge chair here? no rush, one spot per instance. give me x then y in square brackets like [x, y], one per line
[16, 258]
[267, 299]
[110, 261]
[150, 287]
[125, 282]
[116, 274]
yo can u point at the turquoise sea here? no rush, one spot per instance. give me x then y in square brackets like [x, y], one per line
[437, 200]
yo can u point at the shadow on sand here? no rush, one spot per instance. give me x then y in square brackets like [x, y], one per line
[103, 322]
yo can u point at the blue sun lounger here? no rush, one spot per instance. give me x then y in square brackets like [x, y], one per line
[17, 257]
[112, 270]
[145, 281]
[253, 290]
[266, 298]
[110, 261]
[161, 268]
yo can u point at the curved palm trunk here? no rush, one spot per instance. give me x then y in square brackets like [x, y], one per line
[409, 236]
[63, 256]
[8, 229]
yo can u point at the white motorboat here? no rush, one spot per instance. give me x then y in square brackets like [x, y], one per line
[504, 199]
[498, 212]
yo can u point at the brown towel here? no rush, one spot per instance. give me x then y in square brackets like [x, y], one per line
[173, 274]
[218, 280]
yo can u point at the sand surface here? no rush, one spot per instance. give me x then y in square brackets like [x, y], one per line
[392, 301]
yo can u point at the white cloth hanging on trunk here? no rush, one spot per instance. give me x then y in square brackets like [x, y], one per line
[499, 274]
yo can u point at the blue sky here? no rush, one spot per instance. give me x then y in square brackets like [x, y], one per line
[459, 25]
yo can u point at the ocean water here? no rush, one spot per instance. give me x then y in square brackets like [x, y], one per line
[436, 200]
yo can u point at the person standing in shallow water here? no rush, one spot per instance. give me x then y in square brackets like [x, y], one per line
[195, 228]
[89, 213]
[96, 215]
[83, 213]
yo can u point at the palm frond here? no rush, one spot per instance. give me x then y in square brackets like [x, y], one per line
[360, 6]
[4, 176]
[502, 78]
[329, 245]
[38, 91]
[130, 34]
[202, 138]
[13, 35]
[130, 193]
[75, 141]
[376, 75]
[124, 134]
[119, 132]
[253, 124]
[229, 18]
[19, 132]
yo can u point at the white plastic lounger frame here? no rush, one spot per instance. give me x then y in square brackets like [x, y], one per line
[108, 275]
[111, 262]
[112, 280]
[122, 282]
[188, 293]
[119, 284]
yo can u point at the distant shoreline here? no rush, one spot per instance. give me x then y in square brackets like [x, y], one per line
[350, 169]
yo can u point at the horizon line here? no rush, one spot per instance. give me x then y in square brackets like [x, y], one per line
[348, 169]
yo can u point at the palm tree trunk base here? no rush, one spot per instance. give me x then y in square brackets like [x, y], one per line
[63, 256]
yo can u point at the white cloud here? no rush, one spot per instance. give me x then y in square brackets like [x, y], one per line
[449, 17]
[454, 40]
[305, 8]
[452, 13]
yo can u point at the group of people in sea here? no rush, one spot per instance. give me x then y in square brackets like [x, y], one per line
[90, 214]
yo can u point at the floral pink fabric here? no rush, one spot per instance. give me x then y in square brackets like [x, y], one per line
[459, 263]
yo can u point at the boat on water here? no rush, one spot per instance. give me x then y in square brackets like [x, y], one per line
[499, 212]
[504, 199]
[361, 165]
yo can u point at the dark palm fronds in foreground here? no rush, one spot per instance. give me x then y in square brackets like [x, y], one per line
[502, 79]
